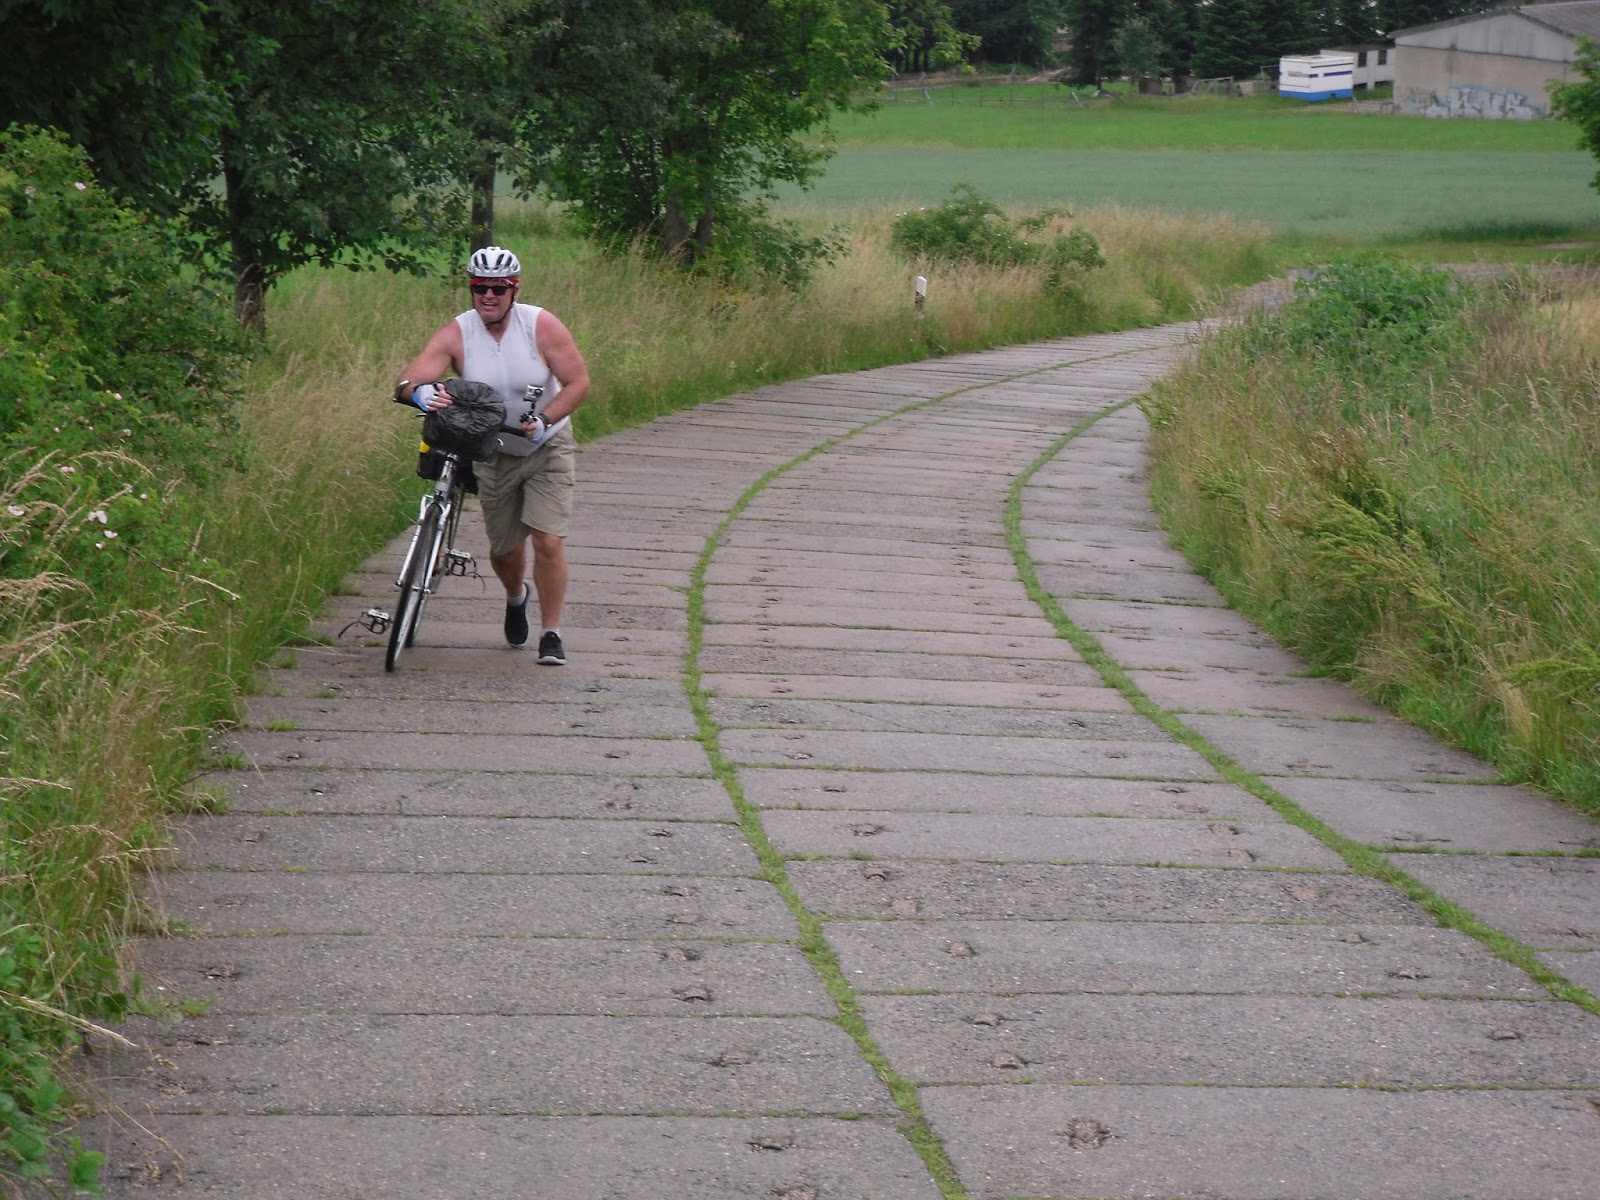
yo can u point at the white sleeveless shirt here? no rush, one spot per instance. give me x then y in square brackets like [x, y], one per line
[512, 365]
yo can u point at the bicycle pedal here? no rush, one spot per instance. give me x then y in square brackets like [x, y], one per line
[457, 562]
[375, 620]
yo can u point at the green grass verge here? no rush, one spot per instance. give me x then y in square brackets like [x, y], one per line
[1408, 502]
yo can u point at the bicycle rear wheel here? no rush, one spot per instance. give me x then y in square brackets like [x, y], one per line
[414, 587]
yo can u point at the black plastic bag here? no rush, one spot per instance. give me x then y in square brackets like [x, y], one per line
[472, 422]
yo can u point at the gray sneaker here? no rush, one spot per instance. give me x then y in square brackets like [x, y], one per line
[550, 652]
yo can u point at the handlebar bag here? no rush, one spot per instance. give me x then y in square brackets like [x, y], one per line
[471, 424]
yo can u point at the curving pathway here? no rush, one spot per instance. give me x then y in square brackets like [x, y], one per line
[909, 822]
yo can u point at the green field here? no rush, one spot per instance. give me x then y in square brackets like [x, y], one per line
[1307, 172]
[1040, 120]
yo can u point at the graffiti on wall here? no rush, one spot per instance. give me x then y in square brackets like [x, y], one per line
[1490, 104]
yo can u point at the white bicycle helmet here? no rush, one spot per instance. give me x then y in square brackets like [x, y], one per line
[492, 262]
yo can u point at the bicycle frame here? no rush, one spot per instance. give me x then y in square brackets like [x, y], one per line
[439, 499]
[430, 556]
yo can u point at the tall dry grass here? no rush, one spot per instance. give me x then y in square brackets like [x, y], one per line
[1435, 540]
[656, 341]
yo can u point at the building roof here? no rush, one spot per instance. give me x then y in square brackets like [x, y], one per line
[1575, 18]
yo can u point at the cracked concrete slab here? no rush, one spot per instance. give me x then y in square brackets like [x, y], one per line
[1265, 1143]
[1248, 1040]
[1444, 816]
[559, 1158]
[1096, 891]
[998, 838]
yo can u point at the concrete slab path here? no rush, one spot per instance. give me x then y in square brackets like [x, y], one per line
[909, 822]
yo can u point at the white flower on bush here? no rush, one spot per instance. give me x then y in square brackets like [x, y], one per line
[16, 510]
[111, 533]
[98, 514]
[68, 470]
[82, 187]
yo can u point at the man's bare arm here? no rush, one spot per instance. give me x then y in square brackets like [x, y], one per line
[437, 359]
[561, 354]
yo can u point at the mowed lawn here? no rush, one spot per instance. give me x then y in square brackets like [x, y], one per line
[1306, 171]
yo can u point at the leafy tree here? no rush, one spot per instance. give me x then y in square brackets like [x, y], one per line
[1350, 22]
[1230, 40]
[1287, 27]
[1176, 21]
[1579, 100]
[498, 73]
[672, 119]
[1017, 31]
[1090, 57]
[1140, 52]
[1403, 14]
[126, 81]
[1170, 39]
[329, 126]
[925, 37]
[341, 145]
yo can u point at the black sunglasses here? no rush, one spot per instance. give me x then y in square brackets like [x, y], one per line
[485, 289]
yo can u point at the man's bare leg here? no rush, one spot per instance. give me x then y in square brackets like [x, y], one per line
[511, 569]
[549, 576]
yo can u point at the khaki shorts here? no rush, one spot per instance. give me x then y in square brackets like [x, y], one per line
[520, 495]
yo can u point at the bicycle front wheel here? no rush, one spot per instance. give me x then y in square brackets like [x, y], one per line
[413, 587]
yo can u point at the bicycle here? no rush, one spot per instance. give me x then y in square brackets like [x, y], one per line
[432, 554]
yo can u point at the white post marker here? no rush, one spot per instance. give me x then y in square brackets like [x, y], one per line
[922, 293]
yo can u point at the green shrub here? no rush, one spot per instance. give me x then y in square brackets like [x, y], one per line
[965, 228]
[117, 371]
[116, 365]
[1068, 257]
[752, 245]
[969, 228]
[1374, 318]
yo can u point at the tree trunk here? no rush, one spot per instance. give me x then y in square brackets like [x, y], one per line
[702, 231]
[680, 243]
[675, 243]
[249, 276]
[250, 296]
[483, 203]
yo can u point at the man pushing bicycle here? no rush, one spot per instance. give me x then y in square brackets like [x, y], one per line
[528, 356]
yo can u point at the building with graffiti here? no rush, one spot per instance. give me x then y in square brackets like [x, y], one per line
[1496, 64]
